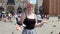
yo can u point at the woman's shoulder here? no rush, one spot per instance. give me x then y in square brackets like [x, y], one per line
[33, 14]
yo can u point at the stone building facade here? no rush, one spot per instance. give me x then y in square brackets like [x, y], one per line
[18, 3]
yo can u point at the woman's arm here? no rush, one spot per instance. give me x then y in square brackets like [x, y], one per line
[22, 17]
[20, 25]
[39, 24]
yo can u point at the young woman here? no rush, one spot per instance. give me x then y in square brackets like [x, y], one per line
[29, 20]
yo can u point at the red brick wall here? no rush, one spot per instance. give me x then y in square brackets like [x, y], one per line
[52, 7]
[46, 6]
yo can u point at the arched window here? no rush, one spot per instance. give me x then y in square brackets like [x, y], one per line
[10, 8]
[19, 9]
[1, 8]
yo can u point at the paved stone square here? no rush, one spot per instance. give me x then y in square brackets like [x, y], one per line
[52, 27]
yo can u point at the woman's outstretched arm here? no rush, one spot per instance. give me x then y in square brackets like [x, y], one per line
[39, 24]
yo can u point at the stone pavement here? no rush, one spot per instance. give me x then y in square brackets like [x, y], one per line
[52, 27]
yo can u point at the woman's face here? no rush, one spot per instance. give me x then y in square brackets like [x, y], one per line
[29, 8]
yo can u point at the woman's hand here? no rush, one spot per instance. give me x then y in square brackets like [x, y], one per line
[41, 24]
[45, 21]
[18, 27]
